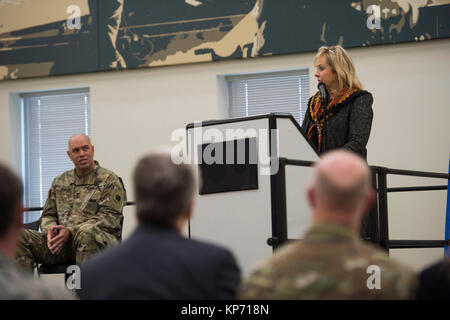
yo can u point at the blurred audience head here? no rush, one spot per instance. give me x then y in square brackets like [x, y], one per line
[11, 210]
[341, 190]
[164, 190]
[434, 281]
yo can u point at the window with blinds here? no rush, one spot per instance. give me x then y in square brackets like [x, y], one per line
[48, 120]
[261, 93]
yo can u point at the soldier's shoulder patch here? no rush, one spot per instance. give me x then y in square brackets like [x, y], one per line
[117, 196]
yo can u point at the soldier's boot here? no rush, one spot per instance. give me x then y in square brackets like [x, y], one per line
[89, 240]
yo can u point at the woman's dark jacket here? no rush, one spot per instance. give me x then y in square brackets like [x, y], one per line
[349, 126]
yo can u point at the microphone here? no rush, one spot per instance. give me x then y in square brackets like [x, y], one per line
[324, 94]
[323, 91]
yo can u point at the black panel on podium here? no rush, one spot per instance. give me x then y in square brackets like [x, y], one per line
[228, 166]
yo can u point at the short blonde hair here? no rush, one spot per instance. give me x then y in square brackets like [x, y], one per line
[342, 64]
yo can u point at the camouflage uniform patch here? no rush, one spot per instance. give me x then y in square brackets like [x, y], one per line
[89, 206]
[330, 263]
[18, 286]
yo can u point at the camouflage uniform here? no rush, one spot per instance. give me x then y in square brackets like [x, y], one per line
[330, 263]
[89, 206]
[19, 286]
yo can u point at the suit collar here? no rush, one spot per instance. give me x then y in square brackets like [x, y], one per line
[156, 229]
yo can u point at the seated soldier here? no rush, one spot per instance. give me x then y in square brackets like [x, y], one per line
[81, 215]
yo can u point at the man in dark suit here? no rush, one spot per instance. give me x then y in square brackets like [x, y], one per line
[157, 261]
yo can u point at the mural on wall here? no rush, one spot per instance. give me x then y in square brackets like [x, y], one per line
[48, 37]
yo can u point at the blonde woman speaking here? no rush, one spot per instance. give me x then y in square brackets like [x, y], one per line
[348, 108]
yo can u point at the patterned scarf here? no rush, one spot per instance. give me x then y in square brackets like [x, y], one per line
[315, 108]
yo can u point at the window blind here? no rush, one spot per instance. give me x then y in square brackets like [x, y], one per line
[256, 94]
[49, 119]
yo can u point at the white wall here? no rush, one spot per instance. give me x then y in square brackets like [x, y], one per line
[135, 110]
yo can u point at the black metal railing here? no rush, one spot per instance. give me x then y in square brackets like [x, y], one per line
[382, 183]
[29, 209]
[378, 217]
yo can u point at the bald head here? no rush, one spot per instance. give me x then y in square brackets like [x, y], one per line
[341, 185]
[78, 137]
[81, 152]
